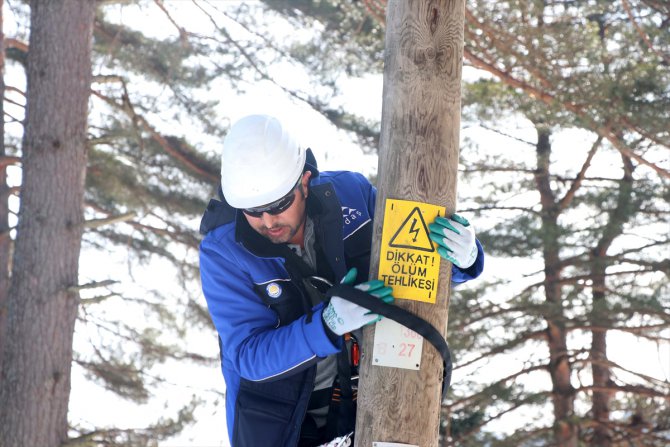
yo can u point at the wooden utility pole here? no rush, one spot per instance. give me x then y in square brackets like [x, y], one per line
[418, 159]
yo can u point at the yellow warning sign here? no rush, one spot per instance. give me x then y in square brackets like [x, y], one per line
[408, 261]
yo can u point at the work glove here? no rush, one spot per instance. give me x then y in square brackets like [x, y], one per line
[455, 239]
[342, 441]
[342, 316]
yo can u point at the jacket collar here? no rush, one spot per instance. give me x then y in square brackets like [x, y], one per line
[217, 213]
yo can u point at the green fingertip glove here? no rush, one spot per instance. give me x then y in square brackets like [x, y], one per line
[455, 239]
[440, 224]
[375, 287]
[350, 278]
[461, 220]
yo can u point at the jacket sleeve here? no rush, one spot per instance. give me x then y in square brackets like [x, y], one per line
[371, 193]
[250, 340]
[459, 275]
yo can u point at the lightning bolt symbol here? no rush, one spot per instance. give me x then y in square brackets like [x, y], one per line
[414, 231]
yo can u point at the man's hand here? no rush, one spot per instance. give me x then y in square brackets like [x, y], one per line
[342, 316]
[455, 239]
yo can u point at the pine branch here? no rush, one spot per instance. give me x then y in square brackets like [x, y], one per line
[659, 266]
[191, 164]
[183, 35]
[561, 178]
[584, 258]
[639, 331]
[616, 292]
[504, 208]
[107, 79]
[16, 44]
[157, 350]
[115, 437]
[577, 279]
[506, 77]
[92, 285]
[520, 436]
[618, 215]
[626, 122]
[335, 117]
[510, 344]
[481, 314]
[508, 42]
[642, 34]
[517, 404]
[97, 299]
[468, 400]
[486, 169]
[97, 223]
[570, 194]
[134, 336]
[639, 434]
[187, 238]
[12, 118]
[11, 101]
[245, 54]
[615, 366]
[632, 389]
[603, 131]
[11, 88]
[7, 160]
[505, 134]
[376, 9]
[267, 43]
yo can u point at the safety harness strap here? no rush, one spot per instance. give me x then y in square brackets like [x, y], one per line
[407, 319]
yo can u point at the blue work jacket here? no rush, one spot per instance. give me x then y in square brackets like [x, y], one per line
[271, 334]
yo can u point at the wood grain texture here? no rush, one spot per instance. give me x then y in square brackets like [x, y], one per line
[418, 161]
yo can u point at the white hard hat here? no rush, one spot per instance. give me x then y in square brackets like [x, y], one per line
[261, 162]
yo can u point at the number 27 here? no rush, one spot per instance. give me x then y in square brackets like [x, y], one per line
[406, 349]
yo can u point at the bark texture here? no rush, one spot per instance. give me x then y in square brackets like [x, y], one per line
[4, 197]
[43, 299]
[418, 161]
[563, 393]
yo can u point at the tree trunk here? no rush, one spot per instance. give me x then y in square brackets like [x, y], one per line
[43, 300]
[600, 370]
[418, 160]
[565, 430]
[5, 240]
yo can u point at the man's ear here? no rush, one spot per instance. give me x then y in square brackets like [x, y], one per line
[304, 184]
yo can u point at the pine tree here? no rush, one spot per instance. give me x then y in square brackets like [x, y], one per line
[42, 300]
[603, 264]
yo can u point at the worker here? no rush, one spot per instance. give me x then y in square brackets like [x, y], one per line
[280, 235]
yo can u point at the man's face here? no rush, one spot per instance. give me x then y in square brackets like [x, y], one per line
[287, 226]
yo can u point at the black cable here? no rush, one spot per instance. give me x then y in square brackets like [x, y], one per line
[407, 319]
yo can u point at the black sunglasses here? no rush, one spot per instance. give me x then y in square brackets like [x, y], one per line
[276, 207]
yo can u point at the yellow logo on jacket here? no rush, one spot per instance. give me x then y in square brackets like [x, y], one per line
[273, 289]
